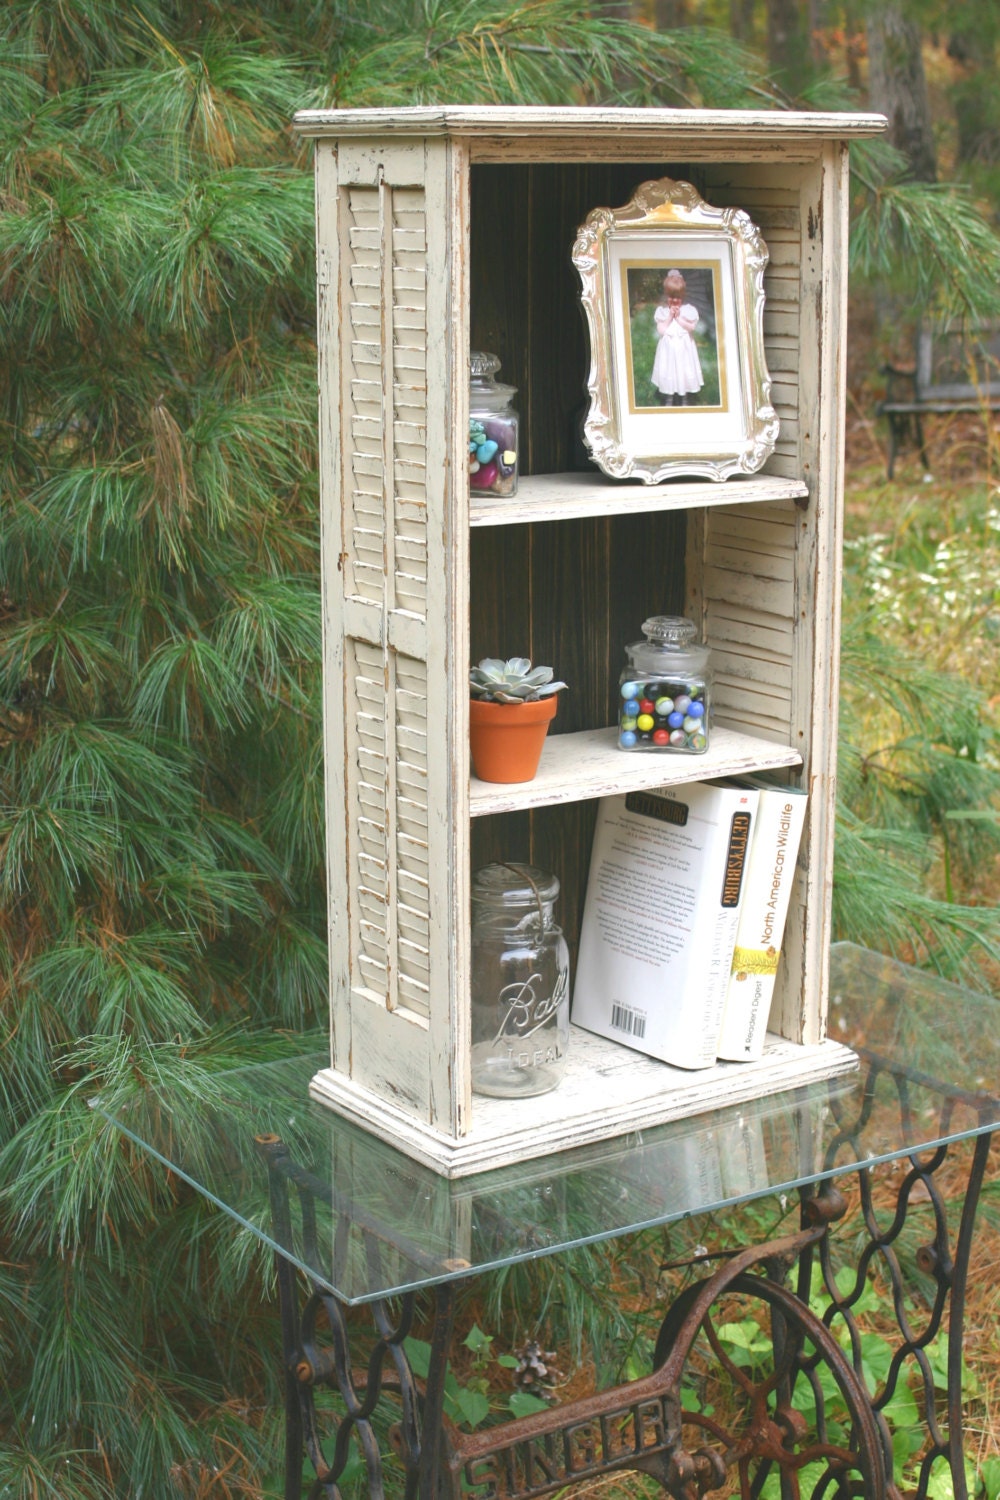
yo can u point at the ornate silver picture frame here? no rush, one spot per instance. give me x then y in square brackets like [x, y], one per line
[673, 290]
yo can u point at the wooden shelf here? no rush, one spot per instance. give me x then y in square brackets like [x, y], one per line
[576, 767]
[561, 497]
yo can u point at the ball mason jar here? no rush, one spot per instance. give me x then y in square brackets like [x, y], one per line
[520, 982]
[664, 693]
[493, 435]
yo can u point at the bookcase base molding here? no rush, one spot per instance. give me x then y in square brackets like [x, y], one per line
[608, 1090]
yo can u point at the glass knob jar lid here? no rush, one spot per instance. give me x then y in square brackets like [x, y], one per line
[484, 390]
[482, 365]
[670, 644]
[669, 630]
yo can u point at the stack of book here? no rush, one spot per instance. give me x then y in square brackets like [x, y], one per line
[686, 904]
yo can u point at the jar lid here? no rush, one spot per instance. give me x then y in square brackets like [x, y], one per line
[669, 630]
[514, 886]
[483, 366]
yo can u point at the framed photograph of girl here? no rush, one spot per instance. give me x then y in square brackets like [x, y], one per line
[673, 290]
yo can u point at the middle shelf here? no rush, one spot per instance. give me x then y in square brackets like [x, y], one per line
[576, 767]
[563, 497]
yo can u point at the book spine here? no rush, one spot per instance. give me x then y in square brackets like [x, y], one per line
[725, 927]
[770, 876]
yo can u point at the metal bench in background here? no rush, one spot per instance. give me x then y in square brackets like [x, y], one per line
[957, 370]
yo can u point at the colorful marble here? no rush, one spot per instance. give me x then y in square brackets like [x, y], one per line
[663, 715]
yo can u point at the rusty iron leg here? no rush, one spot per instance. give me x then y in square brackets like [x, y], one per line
[642, 1425]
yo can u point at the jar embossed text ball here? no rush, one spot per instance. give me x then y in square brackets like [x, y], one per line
[664, 701]
[520, 982]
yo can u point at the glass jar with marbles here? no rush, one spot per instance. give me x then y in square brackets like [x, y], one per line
[520, 982]
[664, 694]
[493, 432]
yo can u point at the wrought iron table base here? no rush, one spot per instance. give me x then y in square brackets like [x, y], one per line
[641, 1425]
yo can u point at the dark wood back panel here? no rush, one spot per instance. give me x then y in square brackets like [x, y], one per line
[572, 593]
[526, 291]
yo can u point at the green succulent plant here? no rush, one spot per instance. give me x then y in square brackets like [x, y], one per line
[513, 681]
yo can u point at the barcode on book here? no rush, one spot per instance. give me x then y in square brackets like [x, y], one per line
[631, 1021]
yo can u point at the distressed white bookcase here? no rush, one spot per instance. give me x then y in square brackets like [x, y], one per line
[445, 228]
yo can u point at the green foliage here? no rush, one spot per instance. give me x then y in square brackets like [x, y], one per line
[470, 1401]
[919, 778]
[987, 1485]
[540, 52]
[161, 861]
[930, 237]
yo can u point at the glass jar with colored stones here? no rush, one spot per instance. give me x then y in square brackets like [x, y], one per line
[520, 982]
[493, 435]
[664, 695]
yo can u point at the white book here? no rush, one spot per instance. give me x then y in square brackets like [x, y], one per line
[767, 892]
[659, 924]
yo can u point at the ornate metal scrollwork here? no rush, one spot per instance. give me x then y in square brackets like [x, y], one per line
[776, 1422]
[317, 1356]
[947, 1265]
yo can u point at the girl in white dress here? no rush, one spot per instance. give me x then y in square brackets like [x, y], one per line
[676, 367]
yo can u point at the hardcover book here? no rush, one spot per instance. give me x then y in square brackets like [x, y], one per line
[659, 925]
[781, 814]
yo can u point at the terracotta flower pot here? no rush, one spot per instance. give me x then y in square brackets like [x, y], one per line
[507, 738]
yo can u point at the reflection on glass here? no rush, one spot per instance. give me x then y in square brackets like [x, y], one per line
[366, 1220]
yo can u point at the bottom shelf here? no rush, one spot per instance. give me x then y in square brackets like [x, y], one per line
[608, 1090]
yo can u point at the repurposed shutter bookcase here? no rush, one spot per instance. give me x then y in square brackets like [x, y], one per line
[441, 229]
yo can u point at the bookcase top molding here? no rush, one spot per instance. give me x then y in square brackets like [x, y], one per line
[471, 121]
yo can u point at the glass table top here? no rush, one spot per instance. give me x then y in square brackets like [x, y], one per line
[364, 1221]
